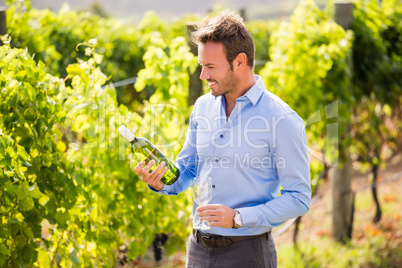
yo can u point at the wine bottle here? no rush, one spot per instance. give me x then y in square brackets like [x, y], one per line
[145, 148]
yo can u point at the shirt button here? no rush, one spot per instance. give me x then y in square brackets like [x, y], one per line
[221, 136]
[213, 186]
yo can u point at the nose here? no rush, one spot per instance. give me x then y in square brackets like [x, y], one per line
[204, 74]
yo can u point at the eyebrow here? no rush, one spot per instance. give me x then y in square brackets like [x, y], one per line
[208, 64]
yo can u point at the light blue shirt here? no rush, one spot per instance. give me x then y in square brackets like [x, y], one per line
[260, 147]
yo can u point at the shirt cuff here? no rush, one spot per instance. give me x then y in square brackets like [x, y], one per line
[163, 191]
[248, 217]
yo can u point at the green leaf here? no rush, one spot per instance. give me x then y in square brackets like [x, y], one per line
[29, 253]
[26, 204]
[30, 91]
[4, 252]
[27, 232]
[61, 146]
[11, 152]
[62, 218]
[30, 114]
[44, 259]
[13, 227]
[20, 241]
[34, 191]
[78, 178]
[21, 152]
[3, 230]
[98, 58]
[22, 190]
[75, 69]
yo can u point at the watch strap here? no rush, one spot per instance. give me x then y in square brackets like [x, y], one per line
[237, 220]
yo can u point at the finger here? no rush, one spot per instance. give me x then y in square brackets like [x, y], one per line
[159, 168]
[211, 217]
[209, 211]
[149, 166]
[220, 222]
[205, 207]
[158, 178]
[205, 213]
[138, 168]
[215, 224]
[207, 218]
[161, 174]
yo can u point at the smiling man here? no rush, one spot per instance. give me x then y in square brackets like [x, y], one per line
[250, 143]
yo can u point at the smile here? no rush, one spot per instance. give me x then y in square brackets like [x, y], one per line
[210, 84]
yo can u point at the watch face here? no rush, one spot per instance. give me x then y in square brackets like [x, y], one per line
[237, 219]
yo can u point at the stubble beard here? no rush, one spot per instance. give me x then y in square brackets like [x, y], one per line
[226, 85]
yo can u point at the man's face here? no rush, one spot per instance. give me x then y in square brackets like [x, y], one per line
[216, 69]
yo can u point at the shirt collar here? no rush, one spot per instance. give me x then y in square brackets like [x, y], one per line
[254, 93]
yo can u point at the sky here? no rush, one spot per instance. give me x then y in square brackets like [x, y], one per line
[134, 9]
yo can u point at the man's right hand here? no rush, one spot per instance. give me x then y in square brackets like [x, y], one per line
[153, 179]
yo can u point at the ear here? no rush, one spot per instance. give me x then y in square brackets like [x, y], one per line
[240, 62]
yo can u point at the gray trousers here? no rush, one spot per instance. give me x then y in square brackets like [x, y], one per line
[258, 252]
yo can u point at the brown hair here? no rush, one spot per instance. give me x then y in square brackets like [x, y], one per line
[227, 28]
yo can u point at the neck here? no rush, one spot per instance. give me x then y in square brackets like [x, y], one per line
[244, 85]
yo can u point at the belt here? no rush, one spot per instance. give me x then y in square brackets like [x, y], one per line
[213, 241]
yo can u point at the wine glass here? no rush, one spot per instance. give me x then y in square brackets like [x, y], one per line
[202, 193]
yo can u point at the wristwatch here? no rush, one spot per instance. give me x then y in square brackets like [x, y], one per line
[237, 220]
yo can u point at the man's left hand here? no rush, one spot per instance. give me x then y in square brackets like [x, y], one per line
[217, 215]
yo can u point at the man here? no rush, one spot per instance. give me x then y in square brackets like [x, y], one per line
[250, 142]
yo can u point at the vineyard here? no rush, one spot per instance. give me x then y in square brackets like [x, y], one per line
[69, 195]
